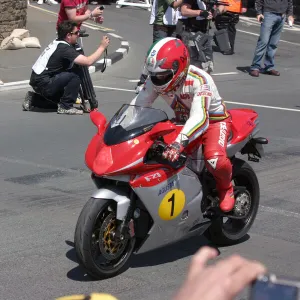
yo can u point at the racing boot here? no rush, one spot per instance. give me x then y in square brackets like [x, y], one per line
[227, 200]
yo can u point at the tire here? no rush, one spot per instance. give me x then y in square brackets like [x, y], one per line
[243, 175]
[93, 217]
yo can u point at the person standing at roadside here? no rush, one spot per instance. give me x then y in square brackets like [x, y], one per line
[272, 16]
[77, 11]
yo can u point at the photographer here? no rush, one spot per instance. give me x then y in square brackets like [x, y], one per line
[227, 18]
[193, 29]
[56, 76]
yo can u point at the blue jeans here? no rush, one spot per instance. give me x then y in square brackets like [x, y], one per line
[270, 31]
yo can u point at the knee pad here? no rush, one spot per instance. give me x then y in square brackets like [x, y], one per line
[216, 161]
[221, 169]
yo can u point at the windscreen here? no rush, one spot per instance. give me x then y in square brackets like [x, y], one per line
[131, 121]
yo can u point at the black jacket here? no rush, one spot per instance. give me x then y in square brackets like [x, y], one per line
[274, 6]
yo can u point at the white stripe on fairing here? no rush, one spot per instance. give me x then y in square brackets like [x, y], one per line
[130, 165]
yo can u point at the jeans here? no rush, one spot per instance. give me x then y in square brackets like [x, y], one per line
[62, 88]
[270, 31]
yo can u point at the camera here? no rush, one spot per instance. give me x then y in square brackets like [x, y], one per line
[272, 288]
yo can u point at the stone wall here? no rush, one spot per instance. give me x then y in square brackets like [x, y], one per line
[13, 15]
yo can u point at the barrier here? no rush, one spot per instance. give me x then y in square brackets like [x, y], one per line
[144, 4]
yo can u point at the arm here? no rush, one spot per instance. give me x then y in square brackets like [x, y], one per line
[71, 13]
[146, 96]
[198, 121]
[186, 10]
[89, 60]
[259, 6]
[175, 4]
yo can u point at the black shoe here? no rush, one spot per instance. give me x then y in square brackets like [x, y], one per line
[27, 104]
[230, 52]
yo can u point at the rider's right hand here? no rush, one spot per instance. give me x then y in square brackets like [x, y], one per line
[222, 281]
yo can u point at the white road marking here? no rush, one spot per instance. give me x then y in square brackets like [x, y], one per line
[252, 33]
[253, 21]
[134, 80]
[112, 88]
[115, 35]
[222, 74]
[230, 102]
[279, 211]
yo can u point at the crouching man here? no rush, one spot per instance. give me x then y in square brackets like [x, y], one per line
[56, 75]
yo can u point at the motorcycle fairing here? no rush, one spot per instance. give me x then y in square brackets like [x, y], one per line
[170, 203]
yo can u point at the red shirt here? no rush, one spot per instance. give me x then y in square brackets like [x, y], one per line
[80, 5]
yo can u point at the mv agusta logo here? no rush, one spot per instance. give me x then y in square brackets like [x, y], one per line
[166, 188]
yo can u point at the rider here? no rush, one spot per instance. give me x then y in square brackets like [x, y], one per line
[194, 97]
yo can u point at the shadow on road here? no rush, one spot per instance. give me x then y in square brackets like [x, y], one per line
[156, 257]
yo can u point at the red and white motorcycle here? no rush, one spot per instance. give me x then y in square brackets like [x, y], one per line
[144, 202]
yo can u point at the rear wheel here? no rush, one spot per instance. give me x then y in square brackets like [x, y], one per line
[98, 249]
[227, 231]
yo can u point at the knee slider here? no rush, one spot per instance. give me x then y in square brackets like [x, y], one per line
[216, 160]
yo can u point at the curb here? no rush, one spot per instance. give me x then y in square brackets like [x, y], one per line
[111, 59]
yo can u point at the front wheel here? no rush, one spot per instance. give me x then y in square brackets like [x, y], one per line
[98, 250]
[228, 231]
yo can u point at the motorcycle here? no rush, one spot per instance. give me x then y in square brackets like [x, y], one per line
[144, 202]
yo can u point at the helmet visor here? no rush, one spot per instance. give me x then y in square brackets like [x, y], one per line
[161, 78]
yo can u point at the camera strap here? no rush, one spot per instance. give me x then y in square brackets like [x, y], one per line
[104, 62]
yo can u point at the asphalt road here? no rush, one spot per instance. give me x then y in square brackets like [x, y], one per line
[44, 182]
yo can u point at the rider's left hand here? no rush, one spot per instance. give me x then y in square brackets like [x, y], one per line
[173, 151]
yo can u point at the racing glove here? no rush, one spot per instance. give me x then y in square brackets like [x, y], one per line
[173, 151]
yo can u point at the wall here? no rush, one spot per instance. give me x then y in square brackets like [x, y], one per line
[13, 15]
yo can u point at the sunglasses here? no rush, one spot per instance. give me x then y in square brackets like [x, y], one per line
[76, 32]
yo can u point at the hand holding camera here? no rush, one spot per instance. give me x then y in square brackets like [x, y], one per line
[105, 42]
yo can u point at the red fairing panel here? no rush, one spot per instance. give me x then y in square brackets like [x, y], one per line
[242, 123]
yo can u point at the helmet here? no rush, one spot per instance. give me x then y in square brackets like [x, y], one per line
[167, 63]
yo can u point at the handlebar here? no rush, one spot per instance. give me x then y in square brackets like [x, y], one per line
[156, 151]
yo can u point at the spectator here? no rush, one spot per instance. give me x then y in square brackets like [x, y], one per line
[77, 11]
[222, 281]
[195, 20]
[272, 16]
[228, 17]
[56, 76]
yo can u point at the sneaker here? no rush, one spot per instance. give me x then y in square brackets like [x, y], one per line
[78, 100]
[227, 200]
[70, 111]
[27, 104]
[210, 67]
[40, 2]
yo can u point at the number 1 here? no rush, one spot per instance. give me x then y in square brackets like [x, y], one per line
[172, 199]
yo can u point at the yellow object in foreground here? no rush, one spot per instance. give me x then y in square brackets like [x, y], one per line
[93, 296]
